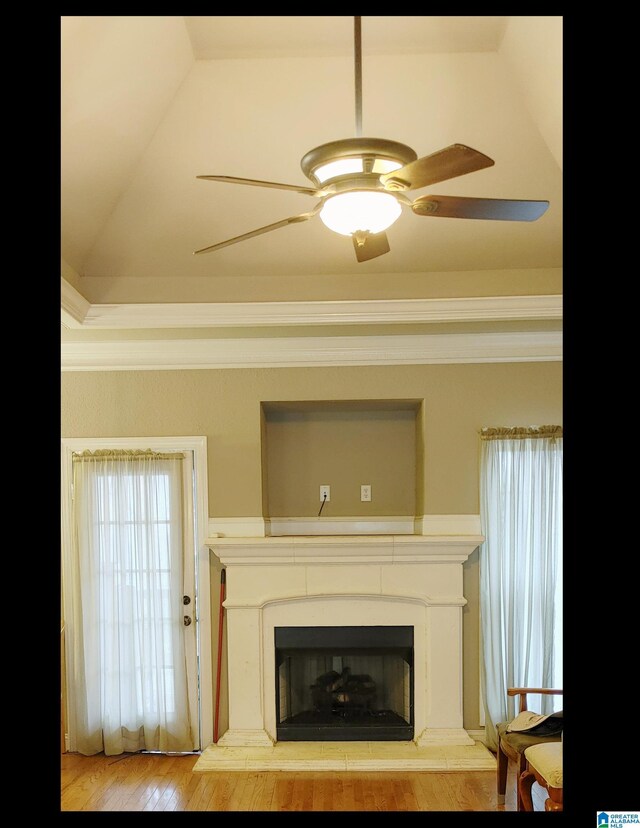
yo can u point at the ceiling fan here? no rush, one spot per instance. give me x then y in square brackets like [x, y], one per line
[361, 185]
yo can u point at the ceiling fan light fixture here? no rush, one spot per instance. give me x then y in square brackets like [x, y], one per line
[344, 166]
[355, 156]
[354, 166]
[360, 211]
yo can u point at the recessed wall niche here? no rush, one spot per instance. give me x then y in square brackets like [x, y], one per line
[344, 444]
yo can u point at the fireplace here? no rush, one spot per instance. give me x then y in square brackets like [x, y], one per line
[385, 582]
[344, 683]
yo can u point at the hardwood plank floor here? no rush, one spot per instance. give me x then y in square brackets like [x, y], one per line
[151, 782]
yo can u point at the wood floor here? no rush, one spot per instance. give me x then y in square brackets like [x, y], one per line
[144, 782]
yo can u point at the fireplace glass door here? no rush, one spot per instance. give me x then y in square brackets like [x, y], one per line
[344, 683]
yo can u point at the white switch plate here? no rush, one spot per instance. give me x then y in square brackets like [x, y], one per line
[325, 490]
[365, 492]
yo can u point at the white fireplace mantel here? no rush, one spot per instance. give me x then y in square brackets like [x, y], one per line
[413, 580]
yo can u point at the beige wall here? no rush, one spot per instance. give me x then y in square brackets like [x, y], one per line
[259, 287]
[344, 449]
[225, 406]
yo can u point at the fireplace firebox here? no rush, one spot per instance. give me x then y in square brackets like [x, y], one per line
[344, 683]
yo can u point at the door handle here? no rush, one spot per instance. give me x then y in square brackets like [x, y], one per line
[186, 620]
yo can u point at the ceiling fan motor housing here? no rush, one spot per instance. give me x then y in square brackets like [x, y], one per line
[377, 155]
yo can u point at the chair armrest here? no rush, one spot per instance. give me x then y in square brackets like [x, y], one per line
[522, 692]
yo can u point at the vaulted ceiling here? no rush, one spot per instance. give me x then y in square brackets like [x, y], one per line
[150, 102]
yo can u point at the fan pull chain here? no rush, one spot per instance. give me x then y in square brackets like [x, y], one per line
[358, 67]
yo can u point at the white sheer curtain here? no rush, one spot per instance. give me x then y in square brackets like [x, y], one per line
[128, 688]
[520, 567]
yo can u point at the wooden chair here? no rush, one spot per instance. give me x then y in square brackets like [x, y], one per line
[544, 766]
[513, 745]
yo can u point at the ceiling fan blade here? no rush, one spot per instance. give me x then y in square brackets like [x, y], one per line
[230, 179]
[440, 166]
[500, 209]
[370, 245]
[266, 229]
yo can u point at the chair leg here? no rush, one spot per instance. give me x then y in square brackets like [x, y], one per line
[525, 781]
[554, 803]
[522, 767]
[501, 780]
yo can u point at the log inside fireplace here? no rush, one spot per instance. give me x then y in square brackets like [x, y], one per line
[344, 683]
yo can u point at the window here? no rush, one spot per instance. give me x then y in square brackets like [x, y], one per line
[520, 566]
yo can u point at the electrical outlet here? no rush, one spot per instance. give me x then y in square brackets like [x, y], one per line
[325, 493]
[365, 492]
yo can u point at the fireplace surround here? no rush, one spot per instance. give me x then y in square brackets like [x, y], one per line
[356, 581]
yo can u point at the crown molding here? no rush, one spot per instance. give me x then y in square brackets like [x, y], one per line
[352, 312]
[73, 306]
[329, 351]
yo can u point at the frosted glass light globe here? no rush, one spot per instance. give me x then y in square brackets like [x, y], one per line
[370, 211]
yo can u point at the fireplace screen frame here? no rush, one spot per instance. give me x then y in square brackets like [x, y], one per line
[395, 641]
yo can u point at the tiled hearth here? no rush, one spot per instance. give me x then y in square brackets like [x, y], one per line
[346, 756]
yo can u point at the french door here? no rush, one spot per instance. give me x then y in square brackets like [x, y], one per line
[130, 603]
